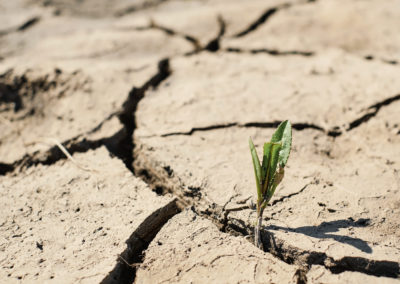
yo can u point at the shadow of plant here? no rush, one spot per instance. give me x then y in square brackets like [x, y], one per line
[323, 231]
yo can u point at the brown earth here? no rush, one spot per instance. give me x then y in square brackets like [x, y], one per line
[155, 101]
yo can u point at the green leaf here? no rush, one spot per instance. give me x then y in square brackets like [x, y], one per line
[276, 181]
[271, 163]
[265, 161]
[257, 168]
[283, 135]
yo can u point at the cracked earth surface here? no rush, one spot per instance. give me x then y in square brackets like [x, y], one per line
[155, 101]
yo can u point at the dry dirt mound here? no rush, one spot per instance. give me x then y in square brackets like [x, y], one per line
[155, 101]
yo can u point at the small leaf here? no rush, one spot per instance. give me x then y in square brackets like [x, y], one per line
[283, 134]
[257, 168]
[265, 161]
[277, 180]
[273, 158]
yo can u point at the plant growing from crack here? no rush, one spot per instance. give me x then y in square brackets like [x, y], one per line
[270, 172]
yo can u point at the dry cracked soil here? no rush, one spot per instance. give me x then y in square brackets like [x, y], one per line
[123, 140]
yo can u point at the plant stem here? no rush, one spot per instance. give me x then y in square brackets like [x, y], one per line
[257, 229]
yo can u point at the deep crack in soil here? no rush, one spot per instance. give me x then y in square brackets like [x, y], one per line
[127, 115]
[388, 61]
[273, 52]
[372, 111]
[162, 179]
[170, 32]
[124, 271]
[119, 144]
[138, 7]
[77, 144]
[304, 259]
[262, 19]
[214, 45]
[335, 131]
[21, 28]
[266, 16]
[28, 24]
[294, 255]
[273, 124]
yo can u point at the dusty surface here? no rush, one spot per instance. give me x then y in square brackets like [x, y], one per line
[362, 28]
[167, 93]
[199, 253]
[64, 224]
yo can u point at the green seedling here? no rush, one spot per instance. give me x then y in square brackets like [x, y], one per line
[270, 172]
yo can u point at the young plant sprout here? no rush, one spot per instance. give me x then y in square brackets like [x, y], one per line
[270, 172]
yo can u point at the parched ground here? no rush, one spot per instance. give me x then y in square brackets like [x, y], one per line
[155, 100]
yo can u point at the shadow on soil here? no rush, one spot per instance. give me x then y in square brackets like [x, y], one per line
[323, 231]
[291, 254]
